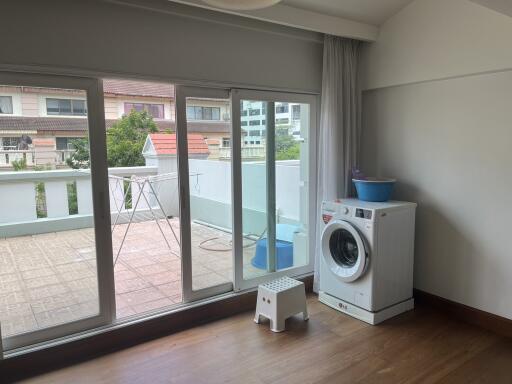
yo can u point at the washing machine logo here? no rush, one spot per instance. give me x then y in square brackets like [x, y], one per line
[326, 218]
[343, 306]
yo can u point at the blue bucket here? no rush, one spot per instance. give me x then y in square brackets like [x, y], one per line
[374, 189]
[284, 254]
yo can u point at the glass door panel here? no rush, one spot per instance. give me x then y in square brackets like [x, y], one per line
[273, 130]
[56, 271]
[204, 146]
[144, 196]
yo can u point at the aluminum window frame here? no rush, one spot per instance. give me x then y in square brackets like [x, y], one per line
[237, 95]
[101, 205]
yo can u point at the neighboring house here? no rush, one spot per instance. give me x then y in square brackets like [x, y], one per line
[59, 116]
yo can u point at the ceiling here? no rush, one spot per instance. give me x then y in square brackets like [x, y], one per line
[357, 19]
[373, 12]
[502, 6]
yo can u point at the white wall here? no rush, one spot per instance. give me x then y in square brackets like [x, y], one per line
[447, 141]
[159, 39]
[435, 39]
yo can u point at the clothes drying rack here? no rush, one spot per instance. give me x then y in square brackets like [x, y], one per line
[146, 191]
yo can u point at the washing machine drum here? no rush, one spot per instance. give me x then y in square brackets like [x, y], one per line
[344, 250]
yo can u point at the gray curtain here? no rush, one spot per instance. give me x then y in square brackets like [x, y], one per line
[340, 125]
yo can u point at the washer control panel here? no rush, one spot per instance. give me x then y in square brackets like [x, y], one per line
[331, 208]
[363, 213]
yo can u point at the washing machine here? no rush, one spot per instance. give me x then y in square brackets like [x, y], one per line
[367, 257]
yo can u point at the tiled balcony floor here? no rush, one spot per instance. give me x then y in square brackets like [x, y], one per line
[49, 279]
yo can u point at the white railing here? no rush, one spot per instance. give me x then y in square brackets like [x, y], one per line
[66, 200]
[51, 200]
[35, 157]
[248, 152]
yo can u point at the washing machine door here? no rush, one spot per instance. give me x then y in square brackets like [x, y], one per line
[343, 249]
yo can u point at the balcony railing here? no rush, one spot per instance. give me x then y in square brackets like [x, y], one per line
[55, 200]
[255, 152]
[35, 157]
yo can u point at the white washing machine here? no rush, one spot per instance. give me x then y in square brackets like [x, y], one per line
[366, 263]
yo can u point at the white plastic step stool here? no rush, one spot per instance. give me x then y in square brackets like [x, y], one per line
[280, 299]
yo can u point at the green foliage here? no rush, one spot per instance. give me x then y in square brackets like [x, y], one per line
[125, 139]
[287, 148]
[40, 200]
[19, 165]
[80, 157]
[72, 198]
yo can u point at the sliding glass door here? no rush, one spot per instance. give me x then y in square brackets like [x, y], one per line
[56, 272]
[229, 193]
[245, 202]
[204, 163]
[273, 159]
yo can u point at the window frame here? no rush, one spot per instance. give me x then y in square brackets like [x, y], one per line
[71, 102]
[144, 108]
[100, 198]
[237, 95]
[12, 105]
[203, 108]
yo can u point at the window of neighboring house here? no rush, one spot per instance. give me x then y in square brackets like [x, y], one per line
[254, 133]
[155, 110]
[282, 108]
[254, 122]
[244, 112]
[64, 143]
[296, 112]
[203, 113]
[244, 123]
[282, 121]
[66, 107]
[257, 142]
[6, 105]
[10, 143]
[254, 112]
[226, 142]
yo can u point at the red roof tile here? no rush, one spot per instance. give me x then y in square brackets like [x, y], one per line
[165, 144]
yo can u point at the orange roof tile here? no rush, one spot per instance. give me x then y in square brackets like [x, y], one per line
[165, 143]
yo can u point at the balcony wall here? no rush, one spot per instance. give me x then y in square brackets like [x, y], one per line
[210, 190]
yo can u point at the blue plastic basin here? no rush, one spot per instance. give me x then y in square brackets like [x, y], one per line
[284, 254]
[374, 189]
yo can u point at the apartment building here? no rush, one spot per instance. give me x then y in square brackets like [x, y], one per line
[253, 120]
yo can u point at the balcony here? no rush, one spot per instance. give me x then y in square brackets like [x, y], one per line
[34, 157]
[47, 246]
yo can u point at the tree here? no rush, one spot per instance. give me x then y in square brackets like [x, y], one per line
[126, 138]
[125, 141]
[80, 157]
[287, 148]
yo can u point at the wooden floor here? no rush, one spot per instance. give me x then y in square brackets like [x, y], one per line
[422, 346]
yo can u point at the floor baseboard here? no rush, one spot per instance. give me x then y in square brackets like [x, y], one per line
[494, 323]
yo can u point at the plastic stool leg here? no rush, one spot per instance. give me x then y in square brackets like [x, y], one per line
[257, 318]
[277, 325]
[305, 313]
